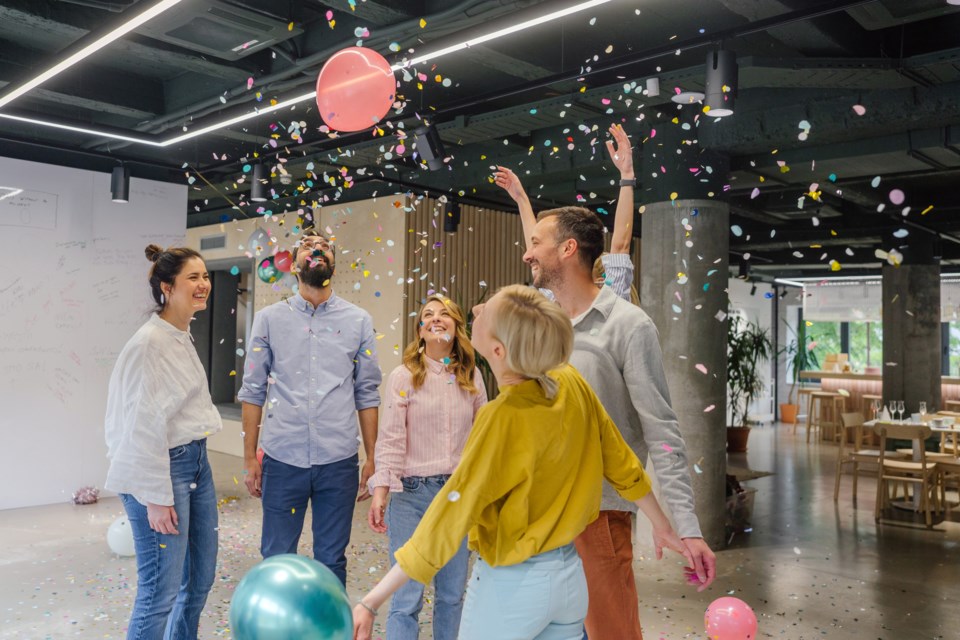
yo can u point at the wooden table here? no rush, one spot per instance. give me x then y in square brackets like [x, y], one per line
[953, 429]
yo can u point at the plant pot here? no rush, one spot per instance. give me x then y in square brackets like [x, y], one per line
[788, 413]
[737, 439]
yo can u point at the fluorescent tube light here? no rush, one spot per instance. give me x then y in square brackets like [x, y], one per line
[67, 127]
[88, 50]
[501, 32]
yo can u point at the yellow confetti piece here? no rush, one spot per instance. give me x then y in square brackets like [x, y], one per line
[290, 27]
[927, 210]
[834, 265]
[292, 511]
[163, 546]
[233, 373]
[235, 481]
[674, 195]
[423, 23]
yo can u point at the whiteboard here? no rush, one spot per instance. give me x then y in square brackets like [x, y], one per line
[73, 289]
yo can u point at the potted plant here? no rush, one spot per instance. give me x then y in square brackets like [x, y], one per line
[800, 357]
[748, 346]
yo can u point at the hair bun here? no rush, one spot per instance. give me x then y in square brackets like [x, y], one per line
[152, 252]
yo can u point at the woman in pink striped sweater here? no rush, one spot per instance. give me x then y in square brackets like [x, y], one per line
[431, 400]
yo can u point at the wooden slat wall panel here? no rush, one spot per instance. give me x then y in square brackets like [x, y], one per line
[488, 248]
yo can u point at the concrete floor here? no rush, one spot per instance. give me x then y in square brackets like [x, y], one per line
[809, 568]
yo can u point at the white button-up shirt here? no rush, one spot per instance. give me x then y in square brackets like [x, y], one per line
[158, 399]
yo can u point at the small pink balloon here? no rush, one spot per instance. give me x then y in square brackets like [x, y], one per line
[730, 619]
[283, 261]
[355, 89]
[897, 197]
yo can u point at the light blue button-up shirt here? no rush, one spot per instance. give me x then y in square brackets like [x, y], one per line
[311, 369]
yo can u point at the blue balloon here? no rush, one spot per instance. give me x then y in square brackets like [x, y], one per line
[290, 596]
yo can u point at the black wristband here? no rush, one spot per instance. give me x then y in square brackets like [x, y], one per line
[628, 182]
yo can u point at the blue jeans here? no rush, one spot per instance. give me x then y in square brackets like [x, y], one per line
[331, 489]
[404, 512]
[543, 598]
[175, 572]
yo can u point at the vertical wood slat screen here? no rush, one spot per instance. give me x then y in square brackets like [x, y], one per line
[488, 246]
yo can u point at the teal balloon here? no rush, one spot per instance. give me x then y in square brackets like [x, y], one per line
[290, 597]
[268, 272]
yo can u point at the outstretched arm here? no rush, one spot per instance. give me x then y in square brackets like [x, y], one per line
[621, 153]
[509, 182]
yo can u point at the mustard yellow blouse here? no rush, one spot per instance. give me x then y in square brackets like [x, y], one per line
[530, 479]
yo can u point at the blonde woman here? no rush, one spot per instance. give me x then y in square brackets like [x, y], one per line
[432, 399]
[528, 484]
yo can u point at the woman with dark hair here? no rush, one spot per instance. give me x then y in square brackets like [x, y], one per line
[432, 399]
[159, 414]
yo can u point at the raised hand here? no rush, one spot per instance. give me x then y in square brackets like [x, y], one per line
[620, 151]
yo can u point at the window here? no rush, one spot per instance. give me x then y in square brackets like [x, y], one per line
[866, 345]
[827, 337]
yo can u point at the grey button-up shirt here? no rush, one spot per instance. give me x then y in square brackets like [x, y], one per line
[311, 369]
[617, 350]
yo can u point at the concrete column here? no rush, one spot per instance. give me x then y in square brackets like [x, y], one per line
[911, 326]
[685, 244]
[683, 288]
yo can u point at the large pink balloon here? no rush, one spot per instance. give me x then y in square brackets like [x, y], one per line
[355, 89]
[730, 619]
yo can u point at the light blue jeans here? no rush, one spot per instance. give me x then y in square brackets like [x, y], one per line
[175, 572]
[404, 512]
[543, 598]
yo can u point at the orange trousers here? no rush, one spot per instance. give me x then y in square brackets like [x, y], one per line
[606, 550]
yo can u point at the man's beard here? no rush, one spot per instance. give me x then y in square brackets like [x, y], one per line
[316, 273]
[543, 279]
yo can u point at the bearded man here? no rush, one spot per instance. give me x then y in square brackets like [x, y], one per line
[311, 373]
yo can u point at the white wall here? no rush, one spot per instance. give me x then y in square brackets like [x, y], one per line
[73, 289]
[756, 308]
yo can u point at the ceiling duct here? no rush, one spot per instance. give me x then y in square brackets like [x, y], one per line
[117, 6]
[218, 29]
[891, 13]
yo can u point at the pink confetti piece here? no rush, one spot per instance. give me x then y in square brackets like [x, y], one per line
[667, 448]
[710, 408]
[897, 197]
[701, 368]
[859, 109]
[249, 83]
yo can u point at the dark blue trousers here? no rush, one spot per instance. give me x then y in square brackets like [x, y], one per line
[331, 490]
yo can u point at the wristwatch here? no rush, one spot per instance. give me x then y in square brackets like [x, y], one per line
[628, 182]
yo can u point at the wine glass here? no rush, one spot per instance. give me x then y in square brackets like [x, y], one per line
[876, 405]
[923, 410]
[900, 409]
[892, 408]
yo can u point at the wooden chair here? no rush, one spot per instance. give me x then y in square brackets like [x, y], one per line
[949, 478]
[923, 474]
[823, 412]
[854, 455]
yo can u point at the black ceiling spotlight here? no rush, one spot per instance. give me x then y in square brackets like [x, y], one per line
[743, 271]
[260, 184]
[120, 184]
[451, 216]
[722, 74]
[429, 146]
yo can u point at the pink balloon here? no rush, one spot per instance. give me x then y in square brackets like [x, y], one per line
[730, 619]
[355, 89]
[283, 261]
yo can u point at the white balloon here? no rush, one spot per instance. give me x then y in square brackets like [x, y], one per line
[120, 537]
[258, 241]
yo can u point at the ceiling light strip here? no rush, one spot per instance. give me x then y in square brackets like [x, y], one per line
[88, 50]
[308, 96]
[94, 132]
[583, 6]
